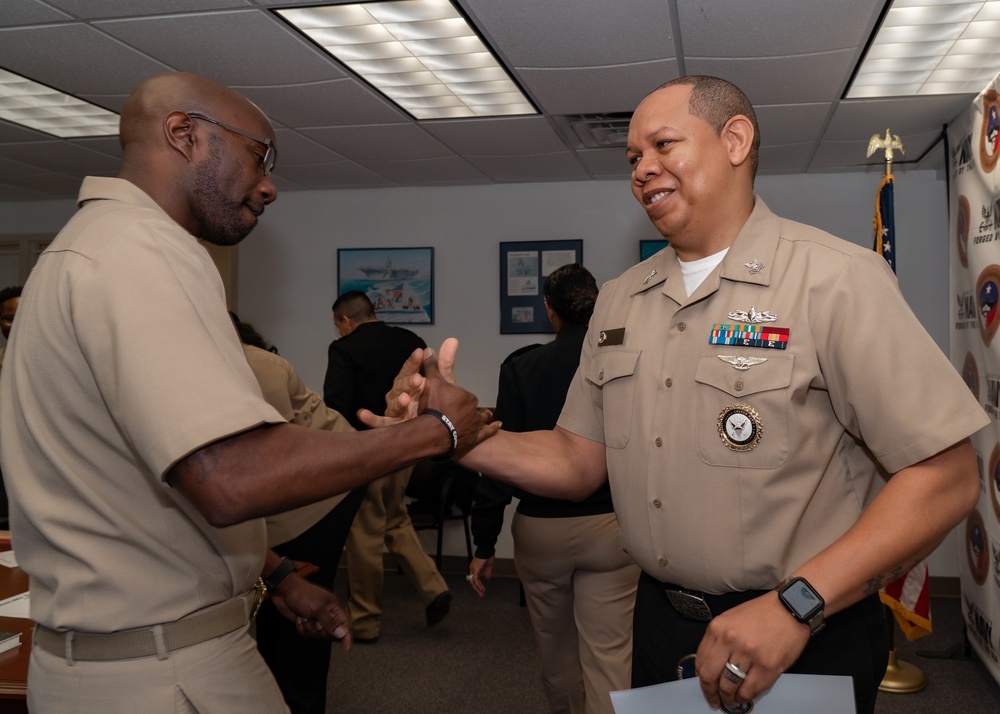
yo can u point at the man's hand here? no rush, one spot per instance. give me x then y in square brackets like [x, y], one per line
[402, 400]
[413, 392]
[462, 408]
[760, 637]
[480, 570]
[314, 610]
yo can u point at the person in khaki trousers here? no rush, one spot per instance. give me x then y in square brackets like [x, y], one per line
[360, 370]
[579, 585]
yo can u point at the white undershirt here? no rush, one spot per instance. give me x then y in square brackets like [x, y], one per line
[696, 271]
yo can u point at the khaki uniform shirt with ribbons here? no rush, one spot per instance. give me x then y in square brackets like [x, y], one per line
[859, 391]
[122, 361]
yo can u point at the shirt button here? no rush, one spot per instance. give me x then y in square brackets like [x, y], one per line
[663, 562]
[656, 503]
[669, 382]
[739, 385]
[601, 375]
[681, 326]
[658, 441]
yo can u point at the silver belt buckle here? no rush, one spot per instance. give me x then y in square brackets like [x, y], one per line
[690, 605]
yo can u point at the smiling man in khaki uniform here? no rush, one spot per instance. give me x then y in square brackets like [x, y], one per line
[139, 452]
[766, 406]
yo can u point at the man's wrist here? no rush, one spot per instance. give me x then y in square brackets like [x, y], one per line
[285, 568]
[803, 603]
[452, 432]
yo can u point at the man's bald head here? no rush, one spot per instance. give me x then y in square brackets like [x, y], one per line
[144, 110]
[197, 148]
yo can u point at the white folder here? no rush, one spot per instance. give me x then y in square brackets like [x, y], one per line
[813, 693]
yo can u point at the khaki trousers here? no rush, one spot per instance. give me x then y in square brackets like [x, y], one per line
[580, 589]
[384, 520]
[225, 674]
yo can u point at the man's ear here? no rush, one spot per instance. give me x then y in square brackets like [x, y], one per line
[738, 133]
[178, 128]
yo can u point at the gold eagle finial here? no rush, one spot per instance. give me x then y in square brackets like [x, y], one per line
[889, 142]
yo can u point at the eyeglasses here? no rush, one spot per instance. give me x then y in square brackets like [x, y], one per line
[271, 153]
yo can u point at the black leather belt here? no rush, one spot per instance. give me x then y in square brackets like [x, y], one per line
[702, 607]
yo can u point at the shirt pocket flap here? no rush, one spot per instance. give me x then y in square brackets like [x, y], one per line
[719, 371]
[612, 364]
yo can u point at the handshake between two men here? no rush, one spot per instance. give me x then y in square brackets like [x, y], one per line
[426, 385]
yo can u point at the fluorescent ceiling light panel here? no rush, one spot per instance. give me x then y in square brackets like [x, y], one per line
[36, 106]
[931, 47]
[421, 54]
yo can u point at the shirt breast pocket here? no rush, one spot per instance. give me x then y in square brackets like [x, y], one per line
[613, 370]
[762, 394]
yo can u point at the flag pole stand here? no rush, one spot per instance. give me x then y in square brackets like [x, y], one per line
[900, 677]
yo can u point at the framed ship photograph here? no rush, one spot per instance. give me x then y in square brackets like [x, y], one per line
[524, 265]
[399, 281]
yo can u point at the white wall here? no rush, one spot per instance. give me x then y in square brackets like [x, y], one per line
[287, 267]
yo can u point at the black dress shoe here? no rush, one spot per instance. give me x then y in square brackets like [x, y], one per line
[438, 608]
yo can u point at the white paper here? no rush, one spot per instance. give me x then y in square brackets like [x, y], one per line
[7, 558]
[813, 693]
[16, 606]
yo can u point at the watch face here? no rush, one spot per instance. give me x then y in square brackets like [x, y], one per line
[801, 599]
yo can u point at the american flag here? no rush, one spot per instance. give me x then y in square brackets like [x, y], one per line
[909, 596]
[885, 223]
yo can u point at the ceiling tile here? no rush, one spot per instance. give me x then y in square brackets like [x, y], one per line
[296, 149]
[605, 163]
[59, 156]
[595, 90]
[807, 78]
[321, 104]
[570, 33]
[383, 142]
[786, 27]
[100, 64]
[228, 47]
[29, 12]
[131, 8]
[542, 167]
[497, 136]
[789, 124]
[449, 170]
[342, 174]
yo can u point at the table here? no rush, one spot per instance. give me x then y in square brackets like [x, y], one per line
[14, 663]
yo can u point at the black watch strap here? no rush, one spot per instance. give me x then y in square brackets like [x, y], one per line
[285, 568]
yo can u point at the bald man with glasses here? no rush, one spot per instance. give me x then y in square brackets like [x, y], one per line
[140, 454]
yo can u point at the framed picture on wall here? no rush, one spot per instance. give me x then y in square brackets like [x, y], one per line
[649, 248]
[524, 265]
[399, 281]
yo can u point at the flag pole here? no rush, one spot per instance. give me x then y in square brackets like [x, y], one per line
[900, 677]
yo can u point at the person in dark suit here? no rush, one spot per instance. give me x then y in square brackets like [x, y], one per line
[578, 583]
[360, 370]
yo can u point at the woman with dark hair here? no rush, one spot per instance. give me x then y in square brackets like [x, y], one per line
[578, 583]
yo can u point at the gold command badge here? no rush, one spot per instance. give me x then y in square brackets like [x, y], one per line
[740, 427]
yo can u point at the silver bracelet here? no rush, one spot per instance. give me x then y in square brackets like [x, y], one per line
[451, 430]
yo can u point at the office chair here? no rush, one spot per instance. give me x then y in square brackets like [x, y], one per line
[442, 492]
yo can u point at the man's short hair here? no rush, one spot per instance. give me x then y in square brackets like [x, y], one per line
[715, 101]
[355, 305]
[10, 293]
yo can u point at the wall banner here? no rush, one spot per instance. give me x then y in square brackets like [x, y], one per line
[974, 230]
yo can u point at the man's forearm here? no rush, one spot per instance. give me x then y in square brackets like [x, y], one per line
[930, 498]
[276, 468]
[555, 463]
